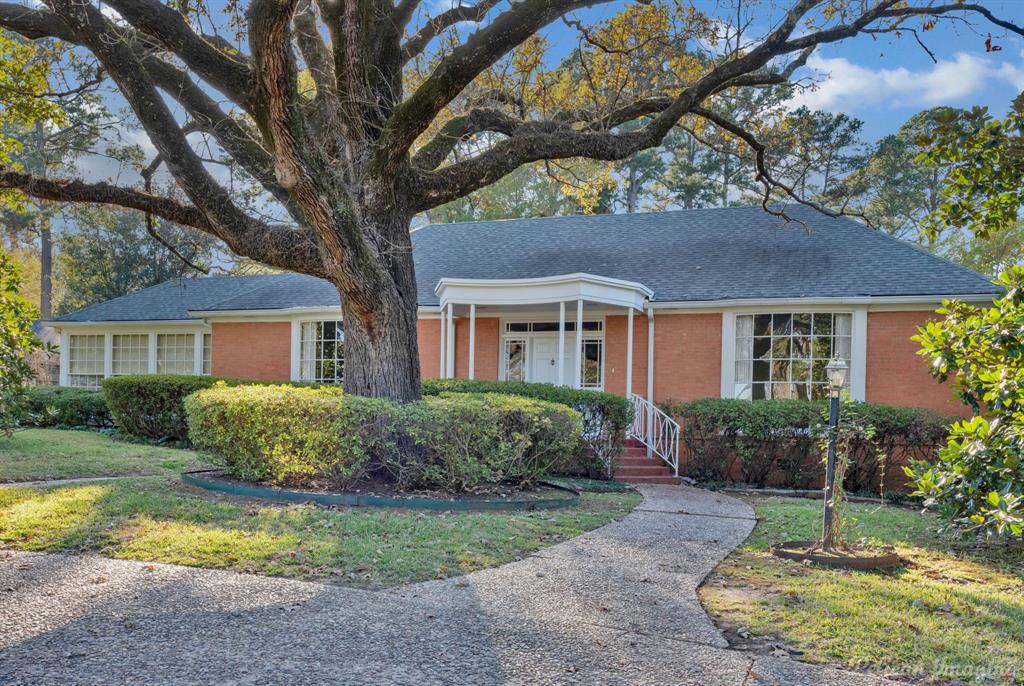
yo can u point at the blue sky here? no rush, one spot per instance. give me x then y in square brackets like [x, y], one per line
[885, 80]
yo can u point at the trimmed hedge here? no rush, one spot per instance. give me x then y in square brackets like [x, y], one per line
[776, 442]
[151, 405]
[319, 437]
[606, 417]
[66, 407]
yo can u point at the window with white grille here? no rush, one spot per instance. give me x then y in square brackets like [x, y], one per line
[85, 360]
[175, 353]
[129, 354]
[207, 353]
[783, 355]
[322, 352]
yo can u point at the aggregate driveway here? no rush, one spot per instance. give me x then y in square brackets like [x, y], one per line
[617, 605]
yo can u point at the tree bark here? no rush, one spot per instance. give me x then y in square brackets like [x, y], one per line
[380, 314]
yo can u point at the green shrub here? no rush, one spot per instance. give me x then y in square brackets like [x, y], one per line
[66, 407]
[308, 437]
[284, 435]
[606, 417]
[775, 442]
[150, 405]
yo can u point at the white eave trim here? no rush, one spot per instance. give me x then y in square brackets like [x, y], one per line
[124, 323]
[850, 301]
[543, 290]
[330, 312]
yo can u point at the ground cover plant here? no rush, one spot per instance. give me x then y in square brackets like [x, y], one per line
[58, 406]
[955, 612]
[157, 520]
[39, 454]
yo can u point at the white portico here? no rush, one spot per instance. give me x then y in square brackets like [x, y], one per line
[552, 328]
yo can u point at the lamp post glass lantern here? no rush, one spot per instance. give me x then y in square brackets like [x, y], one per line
[836, 371]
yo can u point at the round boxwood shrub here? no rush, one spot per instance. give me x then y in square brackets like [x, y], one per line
[66, 407]
[150, 405]
[319, 437]
[606, 417]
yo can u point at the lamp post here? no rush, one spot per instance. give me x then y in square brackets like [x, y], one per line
[836, 371]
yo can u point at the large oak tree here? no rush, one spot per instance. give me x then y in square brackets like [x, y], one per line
[351, 115]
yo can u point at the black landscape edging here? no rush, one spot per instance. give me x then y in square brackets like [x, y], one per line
[205, 480]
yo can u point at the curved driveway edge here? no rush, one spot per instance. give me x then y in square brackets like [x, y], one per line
[616, 605]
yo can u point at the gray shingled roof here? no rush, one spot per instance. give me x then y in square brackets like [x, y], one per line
[683, 256]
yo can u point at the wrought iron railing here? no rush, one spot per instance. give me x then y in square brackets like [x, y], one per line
[656, 430]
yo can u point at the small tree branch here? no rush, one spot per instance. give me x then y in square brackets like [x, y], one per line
[225, 72]
[437, 25]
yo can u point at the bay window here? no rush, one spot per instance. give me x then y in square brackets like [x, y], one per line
[783, 354]
[322, 352]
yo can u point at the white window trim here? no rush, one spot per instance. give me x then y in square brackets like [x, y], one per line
[858, 343]
[295, 362]
[110, 329]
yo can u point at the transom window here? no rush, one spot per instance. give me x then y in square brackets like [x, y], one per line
[176, 353]
[322, 352]
[85, 360]
[129, 354]
[549, 327]
[783, 355]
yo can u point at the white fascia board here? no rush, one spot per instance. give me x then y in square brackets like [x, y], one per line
[543, 290]
[140, 324]
[284, 313]
[871, 301]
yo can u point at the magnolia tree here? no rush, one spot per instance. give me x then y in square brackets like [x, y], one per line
[353, 116]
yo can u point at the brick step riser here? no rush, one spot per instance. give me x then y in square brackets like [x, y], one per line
[674, 480]
[627, 475]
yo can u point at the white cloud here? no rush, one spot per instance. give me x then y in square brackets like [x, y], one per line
[848, 86]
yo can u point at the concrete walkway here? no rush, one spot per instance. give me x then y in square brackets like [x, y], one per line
[617, 605]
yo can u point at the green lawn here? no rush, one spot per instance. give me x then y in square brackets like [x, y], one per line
[37, 454]
[954, 614]
[156, 519]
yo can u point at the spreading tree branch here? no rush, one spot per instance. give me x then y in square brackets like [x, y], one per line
[435, 26]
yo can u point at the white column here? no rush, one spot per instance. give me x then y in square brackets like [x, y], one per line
[65, 342]
[295, 371]
[859, 354]
[650, 381]
[629, 352]
[442, 369]
[472, 341]
[108, 354]
[577, 374]
[561, 343]
[450, 352]
[197, 353]
[152, 353]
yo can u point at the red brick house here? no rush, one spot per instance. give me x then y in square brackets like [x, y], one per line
[718, 302]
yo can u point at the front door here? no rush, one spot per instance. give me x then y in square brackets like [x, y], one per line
[544, 361]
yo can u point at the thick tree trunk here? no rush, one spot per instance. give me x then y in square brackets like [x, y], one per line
[380, 313]
[383, 360]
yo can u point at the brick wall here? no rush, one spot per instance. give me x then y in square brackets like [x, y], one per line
[896, 374]
[428, 337]
[687, 356]
[252, 350]
[486, 353]
[615, 338]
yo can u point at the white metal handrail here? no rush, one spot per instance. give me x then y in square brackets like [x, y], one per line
[656, 430]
